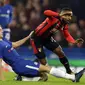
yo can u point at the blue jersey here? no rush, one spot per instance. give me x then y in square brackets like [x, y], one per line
[5, 15]
[19, 65]
[7, 53]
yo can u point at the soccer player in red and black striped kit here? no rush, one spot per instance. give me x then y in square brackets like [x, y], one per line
[42, 36]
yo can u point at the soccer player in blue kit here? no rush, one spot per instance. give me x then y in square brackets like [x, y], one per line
[28, 68]
[6, 11]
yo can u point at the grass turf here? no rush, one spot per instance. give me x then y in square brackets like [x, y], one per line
[51, 81]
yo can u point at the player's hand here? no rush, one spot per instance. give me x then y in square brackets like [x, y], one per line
[79, 41]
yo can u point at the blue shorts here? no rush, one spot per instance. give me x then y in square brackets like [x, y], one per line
[26, 68]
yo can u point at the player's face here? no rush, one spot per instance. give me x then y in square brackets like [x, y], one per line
[1, 33]
[67, 16]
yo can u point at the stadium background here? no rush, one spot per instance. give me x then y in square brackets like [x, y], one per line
[28, 14]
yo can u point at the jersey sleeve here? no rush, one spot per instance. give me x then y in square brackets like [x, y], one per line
[50, 13]
[8, 41]
[67, 35]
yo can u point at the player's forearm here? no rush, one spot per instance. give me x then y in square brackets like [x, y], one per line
[22, 41]
[68, 37]
[19, 43]
[50, 13]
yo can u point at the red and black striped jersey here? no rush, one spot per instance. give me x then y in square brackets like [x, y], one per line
[53, 20]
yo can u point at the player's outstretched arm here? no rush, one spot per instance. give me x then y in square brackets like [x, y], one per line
[70, 39]
[1, 71]
[22, 41]
[50, 13]
[67, 35]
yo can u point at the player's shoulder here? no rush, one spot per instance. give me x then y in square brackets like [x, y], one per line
[4, 39]
[1, 43]
[51, 18]
[8, 6]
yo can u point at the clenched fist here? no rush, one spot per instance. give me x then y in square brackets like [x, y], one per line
[79, 41]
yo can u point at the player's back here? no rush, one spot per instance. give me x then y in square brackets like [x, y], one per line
[5, 15]
[8, 53]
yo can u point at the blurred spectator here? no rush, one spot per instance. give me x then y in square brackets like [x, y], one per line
[45, 4]
[34, 20]
[82, 28]
[82, 24]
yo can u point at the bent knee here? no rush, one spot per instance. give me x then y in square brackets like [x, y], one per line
[44, 62]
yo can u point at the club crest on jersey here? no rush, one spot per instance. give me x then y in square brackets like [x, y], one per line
[10, 49]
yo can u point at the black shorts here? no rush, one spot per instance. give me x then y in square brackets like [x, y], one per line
[38, 44]
[51, 44]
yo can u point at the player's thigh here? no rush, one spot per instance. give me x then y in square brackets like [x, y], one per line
[51, 44]
[38, 50]
[27, 68]
[36, 45]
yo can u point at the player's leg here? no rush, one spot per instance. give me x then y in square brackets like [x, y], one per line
[42, 59]
[38, 50]
[63, 59]
[32, 69]
[29, 71]
[56, 48]
[56, 72]
[26, 68]
[59, 73]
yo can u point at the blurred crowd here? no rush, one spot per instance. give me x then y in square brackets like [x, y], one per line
[29, 14]
[26, 17]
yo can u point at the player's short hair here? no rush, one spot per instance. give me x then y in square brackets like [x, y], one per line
[66, 9]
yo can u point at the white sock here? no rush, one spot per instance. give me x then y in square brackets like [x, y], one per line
[59, 73]
[30, 79]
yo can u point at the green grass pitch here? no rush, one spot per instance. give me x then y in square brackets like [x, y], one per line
[9, 76]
